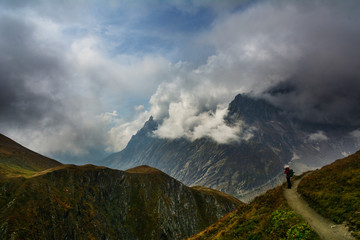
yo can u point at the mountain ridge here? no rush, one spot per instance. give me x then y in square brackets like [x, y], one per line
[95, 202]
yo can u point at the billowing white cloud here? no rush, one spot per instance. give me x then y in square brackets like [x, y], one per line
[188, 107]
[355, 134]
[190, 124]
[56, 86]
[120, 76]
[318, 137]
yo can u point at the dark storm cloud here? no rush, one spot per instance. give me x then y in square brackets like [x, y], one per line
[38, 105]
[302, 55]
[334, 102]
[325, 86]
[21, 107]
[23, 68]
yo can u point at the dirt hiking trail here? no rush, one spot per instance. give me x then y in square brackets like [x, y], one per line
[326, 229]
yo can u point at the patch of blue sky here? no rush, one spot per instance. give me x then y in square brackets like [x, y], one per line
[245, 5]
[169, 18]
[126, 108]
[75, 31]
[139, 45]
[163, 15]
[159, 29]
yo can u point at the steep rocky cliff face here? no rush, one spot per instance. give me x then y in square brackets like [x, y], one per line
[243, 168]
[90, 202]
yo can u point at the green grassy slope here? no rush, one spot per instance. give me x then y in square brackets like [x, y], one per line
[334, 191]
[16, 160]
[266, 217]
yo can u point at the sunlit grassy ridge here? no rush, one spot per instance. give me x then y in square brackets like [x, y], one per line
[16, 160]
[266, 217]
[14, 171]
[334, 191]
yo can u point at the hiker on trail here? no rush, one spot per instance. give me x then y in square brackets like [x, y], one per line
[289, 173]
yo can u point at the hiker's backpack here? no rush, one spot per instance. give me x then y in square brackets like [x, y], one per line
[291, 173]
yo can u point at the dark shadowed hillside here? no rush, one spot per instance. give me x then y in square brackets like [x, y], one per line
[91, 202]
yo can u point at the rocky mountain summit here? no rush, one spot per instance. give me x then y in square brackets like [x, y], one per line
[245, 168]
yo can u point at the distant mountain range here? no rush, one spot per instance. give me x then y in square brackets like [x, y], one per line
[41, 198]
[243, 169]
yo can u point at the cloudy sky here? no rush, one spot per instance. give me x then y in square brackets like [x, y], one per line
[79, 78]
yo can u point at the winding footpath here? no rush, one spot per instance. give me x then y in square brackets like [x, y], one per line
[325, 228]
